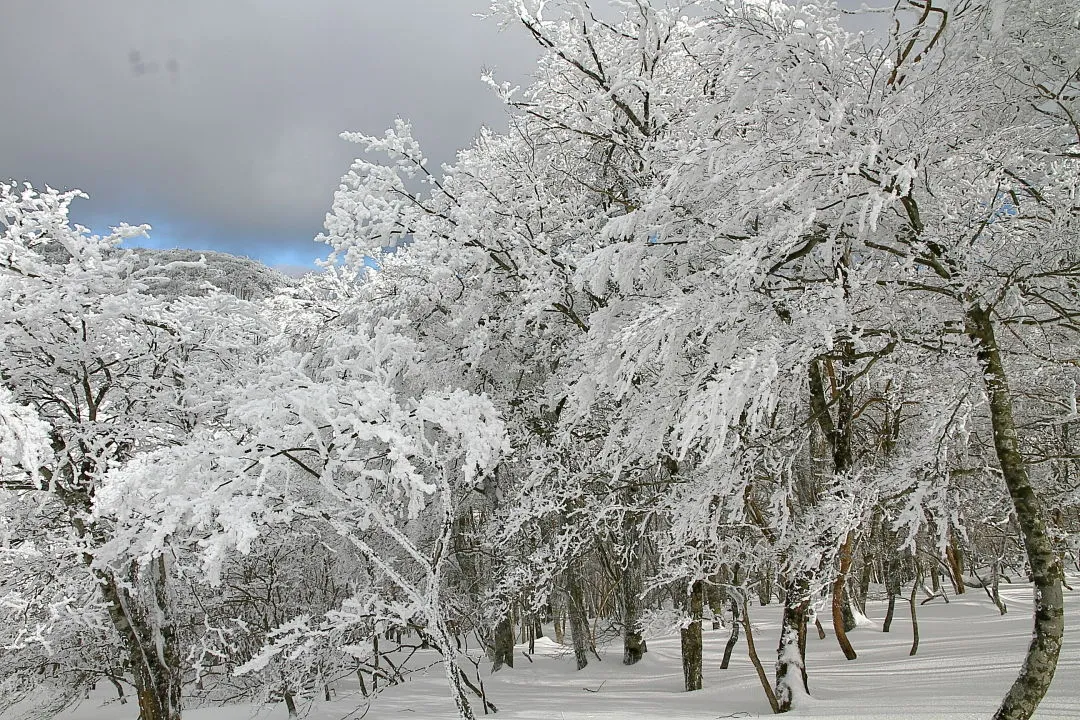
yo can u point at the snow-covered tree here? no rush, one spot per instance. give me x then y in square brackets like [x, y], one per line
[334, 439]
[112, 372]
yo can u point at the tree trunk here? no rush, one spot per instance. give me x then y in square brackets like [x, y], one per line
[995, 581]
[864, 582]
[914, 618]
[375, 662]
[755, 660]
[149, 636]
[363, 685]
[579, 624]
[453, 672]
[559, 625]
[887, 625]
[119, 688]
[892, 584]
[1046, 569]
[503, 644]
[846, 607]
[839, 435]
[956, 564]
[734, 637]
[765, 588]
[691, 638]
[290, 703]
[791, 653]
[839, 600]
[715, 598]
[633, 642]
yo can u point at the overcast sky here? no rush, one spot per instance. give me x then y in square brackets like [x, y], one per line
[217, 121]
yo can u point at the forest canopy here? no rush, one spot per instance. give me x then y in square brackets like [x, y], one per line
[743, 308]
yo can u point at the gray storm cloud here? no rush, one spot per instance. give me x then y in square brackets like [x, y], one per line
[218, 121]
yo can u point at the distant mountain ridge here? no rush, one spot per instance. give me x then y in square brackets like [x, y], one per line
[243, 277]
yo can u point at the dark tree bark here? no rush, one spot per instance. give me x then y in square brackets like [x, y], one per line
[935, 581]
[630, 586]
[865, 576]
[579, 623]
[887, 625]
[765, 588]
[840, 601]
[849, 614]
[892, 585]
[634, 646]
[995, 581]
[691, 638]
[839, 435]
[914, 618]
[119, 689]
[363, 685]
[376, 655]
[290, 703]
[503, 644]
[1046, 569]
[955, 561]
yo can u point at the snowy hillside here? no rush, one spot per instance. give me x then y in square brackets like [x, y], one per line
[243, 277]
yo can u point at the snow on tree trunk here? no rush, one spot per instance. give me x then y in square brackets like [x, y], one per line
[734, 637]
[453, 672]
[149, 637]
[791, 681]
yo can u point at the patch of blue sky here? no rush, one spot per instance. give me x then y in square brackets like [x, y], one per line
[1004, 207]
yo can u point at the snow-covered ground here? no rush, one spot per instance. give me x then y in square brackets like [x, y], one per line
[968, 656]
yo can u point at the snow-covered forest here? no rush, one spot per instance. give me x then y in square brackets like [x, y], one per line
[749, 326]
